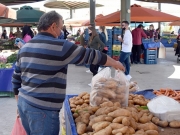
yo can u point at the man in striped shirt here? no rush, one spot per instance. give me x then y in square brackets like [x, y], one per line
[39, 79]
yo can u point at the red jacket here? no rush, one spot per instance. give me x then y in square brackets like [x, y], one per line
[137, 35]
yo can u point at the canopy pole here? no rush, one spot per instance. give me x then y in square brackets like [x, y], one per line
[71, 13]
[92, 12]
[159, 8]
[125, 10]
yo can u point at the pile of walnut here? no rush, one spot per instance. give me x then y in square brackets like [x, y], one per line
[111, 119]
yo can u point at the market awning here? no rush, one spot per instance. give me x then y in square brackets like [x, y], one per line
[25, 14]
[176, 23]
[139, 14]
[15, 24]
[6, 12]
[87, 22]
[17, 2]
[162, 1]
[68, 4]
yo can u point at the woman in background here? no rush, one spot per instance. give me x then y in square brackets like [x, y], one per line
[104, 37]
[66, 33]
[97, 44]
[27, 33]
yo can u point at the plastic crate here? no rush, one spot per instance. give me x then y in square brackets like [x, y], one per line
[150, 61]
[150, 52]
[117, 31]
[115, 58]
[117, 42]
[116, 53]
[116, 48]
[69, 117]
[109, 52]
[6, 94]
[109, 47]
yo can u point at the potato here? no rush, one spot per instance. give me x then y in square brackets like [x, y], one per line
[121, 89]
[97, 119]
[131, 130]
[152, 132]
[82, 94]
[126, 121]
[106, 131]
[120, 96]
[140, 102]
[108, 118]
[92, 116]
[73, 110]
[116, 126]
[85, 118]
[102, 80]
[119, 133]
[118, 119]
[111, 84]
[94, 108]
[87, 96]
[79, 102]
[156, 121]
[106, 93]
[98, 100]
[105, 110]
[86, 101]
[107, 104]
[81, 127]
[75, 115]
[135, 116]
[100, 125]
[133, 123]
[89, 129]
[122, 130]
[120, 112]
[78, 119]
[72, 105]
[147, 126]
[144, 119]
[117, 104]
[174, 124]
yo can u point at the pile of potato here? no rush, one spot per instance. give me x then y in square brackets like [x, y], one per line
[109, 90]
[110, 118]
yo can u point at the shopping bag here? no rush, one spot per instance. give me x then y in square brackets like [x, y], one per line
[105, 88]
[18, 128]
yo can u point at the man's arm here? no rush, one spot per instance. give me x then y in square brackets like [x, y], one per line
[16, 79]
[143, 34]
[100, 42]
[80, 55]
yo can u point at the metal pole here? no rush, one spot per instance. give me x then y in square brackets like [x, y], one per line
[125, 10]
[92, 12]
[159, 8]
[71, 13]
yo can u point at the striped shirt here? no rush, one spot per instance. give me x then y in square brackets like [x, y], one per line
[41, 69]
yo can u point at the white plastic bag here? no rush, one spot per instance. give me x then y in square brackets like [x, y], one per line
[165, 108]
[105, 88]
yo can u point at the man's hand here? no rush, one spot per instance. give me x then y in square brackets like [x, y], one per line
[119, 66]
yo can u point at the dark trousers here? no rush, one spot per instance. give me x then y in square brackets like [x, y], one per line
[136, 50]
[94, 69]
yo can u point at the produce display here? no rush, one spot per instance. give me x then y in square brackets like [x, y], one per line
[168, 92]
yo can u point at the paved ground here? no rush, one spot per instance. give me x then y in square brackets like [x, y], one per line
[163, 75]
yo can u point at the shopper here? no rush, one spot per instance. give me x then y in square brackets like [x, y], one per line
[178, 47]
[103, 37]
[157, 36]
[137, 35]
[126, 48]
[4, 35]
[18, 33]
[97, 44]
[151, 32]
[27, 33]
[66, 33]
[39, 79]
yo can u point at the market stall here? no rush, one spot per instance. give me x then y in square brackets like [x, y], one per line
[126, 113]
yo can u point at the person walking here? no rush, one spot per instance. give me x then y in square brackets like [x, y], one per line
[97, 44]
[126, 48]
[40, 75]
[137, 35]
